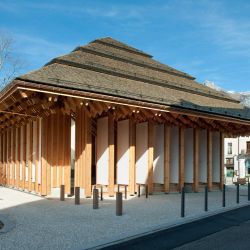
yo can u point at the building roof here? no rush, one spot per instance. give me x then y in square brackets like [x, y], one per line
[107, 66]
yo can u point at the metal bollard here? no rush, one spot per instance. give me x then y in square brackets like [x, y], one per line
[139, 190]
[119, 204]
[126, 192]
[62, 193]
[183, 202]
[224, 196]
[238, 193]
[248, 191]
[101, 193]
[146, 191]
[95, 198]
[77, 195]
[206, 198]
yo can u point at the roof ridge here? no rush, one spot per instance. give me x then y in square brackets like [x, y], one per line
[123, 46]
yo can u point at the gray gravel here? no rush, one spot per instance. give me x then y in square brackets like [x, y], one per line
[51, 224]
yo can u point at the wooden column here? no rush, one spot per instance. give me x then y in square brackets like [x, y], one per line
[111, 143]
[67, 154]
[13, 152]
[222, 136]
[181, 157]
[167, 144]
[196, 159]
[209, 159]
[18, 145]
[8, 156]
[131, 157]
[88, 155]
[1, 160]
[37, 132]
[24, 156]
[150, 156]
[44, 155]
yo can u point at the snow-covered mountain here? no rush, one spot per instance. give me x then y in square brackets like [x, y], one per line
[243, 97]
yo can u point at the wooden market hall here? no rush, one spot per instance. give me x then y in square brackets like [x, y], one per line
[109, 114]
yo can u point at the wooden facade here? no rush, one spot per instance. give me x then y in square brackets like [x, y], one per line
[118, 139]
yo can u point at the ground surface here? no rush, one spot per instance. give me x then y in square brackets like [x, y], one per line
[51, 224]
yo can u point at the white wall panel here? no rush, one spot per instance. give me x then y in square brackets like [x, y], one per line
[174, 155]
[142, 153]
[203, 156]
[189, 155]
[102, 152]
[216, 157]
[123, 152]
[158, 165]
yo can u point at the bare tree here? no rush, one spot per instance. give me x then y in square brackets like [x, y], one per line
[10, 66]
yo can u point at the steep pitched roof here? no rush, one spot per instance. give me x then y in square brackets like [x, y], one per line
[110, 67]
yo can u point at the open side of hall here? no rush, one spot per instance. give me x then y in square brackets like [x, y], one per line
[108, 114]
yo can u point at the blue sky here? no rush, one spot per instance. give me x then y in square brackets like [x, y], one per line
[207, 39]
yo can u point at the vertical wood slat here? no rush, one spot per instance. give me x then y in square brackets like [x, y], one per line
[209, 159]
[67, 153]
[44, 156]
[150, 156]
[13, 153]
[181, 157]
[167, 141]
[82, 166]
[53, 155]
[29, 155]
[1, 160]
[24, 156]
[5, 158]
[88, 155]
[59, 149]
[9, 156]
[111, 146]
[49, 147]
[131, 157]
[37, 154]
[222, 136]
[77, 146]
[196, 159]
[18, 144]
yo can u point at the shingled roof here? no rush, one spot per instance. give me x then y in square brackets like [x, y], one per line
[110, 67]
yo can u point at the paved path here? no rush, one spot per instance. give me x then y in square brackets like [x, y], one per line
[50, 224]
[178, 236]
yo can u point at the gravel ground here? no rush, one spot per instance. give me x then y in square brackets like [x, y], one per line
[51, 224]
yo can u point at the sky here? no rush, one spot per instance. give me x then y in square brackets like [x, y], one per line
[208, 39]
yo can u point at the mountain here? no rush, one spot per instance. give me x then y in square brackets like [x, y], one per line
[243, 97]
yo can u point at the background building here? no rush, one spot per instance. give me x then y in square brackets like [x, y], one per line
[237, 157]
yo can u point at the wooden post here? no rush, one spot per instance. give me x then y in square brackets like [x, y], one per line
[150, 156]
[131, 157]
[44, 155]
[196, 159]
[111, 155]
[88, 155]
[209, 159]
[24, 156]
[67, 154]
[166, 158]
[221, 160]
[181, 157]
[18, 143]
